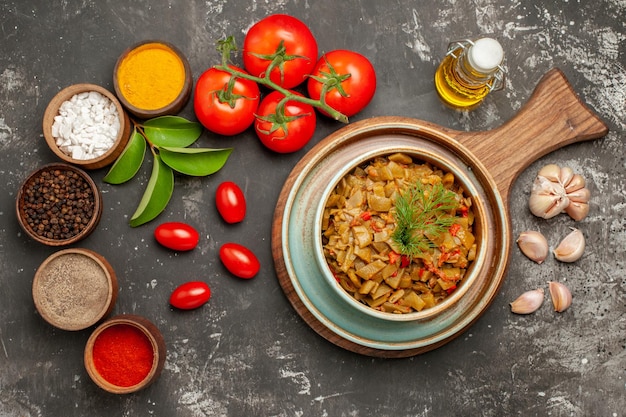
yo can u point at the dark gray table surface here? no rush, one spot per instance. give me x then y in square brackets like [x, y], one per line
[247, 352]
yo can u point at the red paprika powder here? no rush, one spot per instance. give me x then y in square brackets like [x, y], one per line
[123, 355]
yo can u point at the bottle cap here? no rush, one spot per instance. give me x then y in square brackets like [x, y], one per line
[485, 55]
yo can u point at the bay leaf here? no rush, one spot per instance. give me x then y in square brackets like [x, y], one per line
[172, 131]
[195, 161]
[128, 163]
[157, 194]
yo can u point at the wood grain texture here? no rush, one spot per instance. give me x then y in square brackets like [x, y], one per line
[553, 117]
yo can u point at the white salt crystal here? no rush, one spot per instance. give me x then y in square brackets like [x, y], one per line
[86, 126]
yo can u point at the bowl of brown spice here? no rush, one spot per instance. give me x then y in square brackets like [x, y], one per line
[86, 125]
[58, 204]
[74, 289]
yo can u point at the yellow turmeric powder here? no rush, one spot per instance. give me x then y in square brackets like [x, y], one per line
[151, 76]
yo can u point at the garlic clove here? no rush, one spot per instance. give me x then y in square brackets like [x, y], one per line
[577, 210]
[571, 247]
[546, 206]
[582, 195]
[566, 175]
[561, 296]
[551, 171]
[576, 183]
[534, 245]
[528, 302]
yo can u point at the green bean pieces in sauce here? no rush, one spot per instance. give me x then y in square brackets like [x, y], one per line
[366, 249]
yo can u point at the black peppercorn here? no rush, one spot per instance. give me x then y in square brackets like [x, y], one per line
[58, 204]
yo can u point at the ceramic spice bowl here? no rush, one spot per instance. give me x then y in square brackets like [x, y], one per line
[152, 78]
[125, 354]
[74, 289]
[58, 204]
[86, 125]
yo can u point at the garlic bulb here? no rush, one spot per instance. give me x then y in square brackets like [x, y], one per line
[571, 247]
[561, 296]
[528, 302]
[557, 190]
[534, 245]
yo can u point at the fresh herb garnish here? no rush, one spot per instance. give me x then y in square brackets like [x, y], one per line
[422, 213]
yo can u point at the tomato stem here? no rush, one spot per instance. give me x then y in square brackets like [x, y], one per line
[227, 46]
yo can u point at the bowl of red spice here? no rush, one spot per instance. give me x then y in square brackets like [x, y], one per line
[125, 354]
[152, 78]
[74, 289]
[58, 204]
[86, 125]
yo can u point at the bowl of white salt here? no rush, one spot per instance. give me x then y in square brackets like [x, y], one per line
[86, 125]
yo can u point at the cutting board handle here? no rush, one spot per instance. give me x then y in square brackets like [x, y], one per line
[554, 116]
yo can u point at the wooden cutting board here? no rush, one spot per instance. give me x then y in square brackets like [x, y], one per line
[553, 117]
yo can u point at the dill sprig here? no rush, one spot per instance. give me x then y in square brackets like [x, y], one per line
[422, 211]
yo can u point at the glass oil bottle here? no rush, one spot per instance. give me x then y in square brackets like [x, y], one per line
[470, 70]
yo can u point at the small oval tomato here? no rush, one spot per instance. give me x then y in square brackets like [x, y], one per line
[353, 81]
[230, 202]
[239, 260]
[177, 236]
[288, 38]
[190, 295]
[223, 111]
[286, 130]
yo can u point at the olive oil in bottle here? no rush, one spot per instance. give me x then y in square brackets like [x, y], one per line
[470, 71]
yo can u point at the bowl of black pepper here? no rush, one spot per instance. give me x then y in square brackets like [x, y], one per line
[58, 204]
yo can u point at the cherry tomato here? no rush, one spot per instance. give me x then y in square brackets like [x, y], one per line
[177, 236]
[230, 202]
[288, 130]
[223, 112]
[190, 295]
[239, 260]
[295, 41]
[355, 78]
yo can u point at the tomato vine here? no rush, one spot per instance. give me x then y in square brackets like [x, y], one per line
[228, 45]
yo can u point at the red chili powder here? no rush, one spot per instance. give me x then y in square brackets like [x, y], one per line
[123, 355]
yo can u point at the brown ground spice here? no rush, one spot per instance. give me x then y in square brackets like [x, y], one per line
[73, 291]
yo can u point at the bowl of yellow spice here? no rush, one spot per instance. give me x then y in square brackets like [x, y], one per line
[152, 78]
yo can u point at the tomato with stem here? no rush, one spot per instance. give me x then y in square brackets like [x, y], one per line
[282, 48]
[345, 80]
[283, 124]
[224, 103]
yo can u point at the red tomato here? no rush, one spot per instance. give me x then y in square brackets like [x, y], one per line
[355, 78]
[190, 295]
[223, 112]
[286, 131]
[177, 236]
[239, 260]
[299, 49]
[230, 202]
